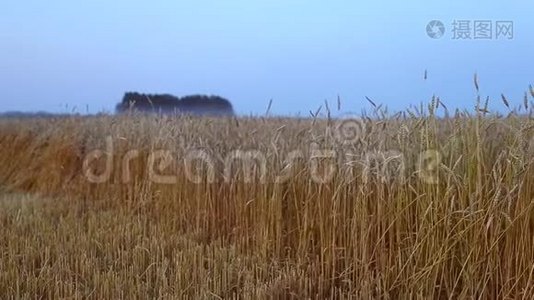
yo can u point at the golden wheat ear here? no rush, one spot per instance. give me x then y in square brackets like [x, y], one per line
[505, 101]
[269, 107]
[370, 101]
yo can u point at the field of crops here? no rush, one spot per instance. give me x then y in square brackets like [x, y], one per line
[401, 206]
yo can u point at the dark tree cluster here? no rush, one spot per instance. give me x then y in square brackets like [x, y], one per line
[169, 104]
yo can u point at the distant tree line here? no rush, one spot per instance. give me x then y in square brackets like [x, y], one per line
[32, 115]
[169, 104]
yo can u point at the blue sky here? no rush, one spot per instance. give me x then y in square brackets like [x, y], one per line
[63, 55]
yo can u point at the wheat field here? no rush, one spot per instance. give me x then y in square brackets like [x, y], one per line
[174, 207]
